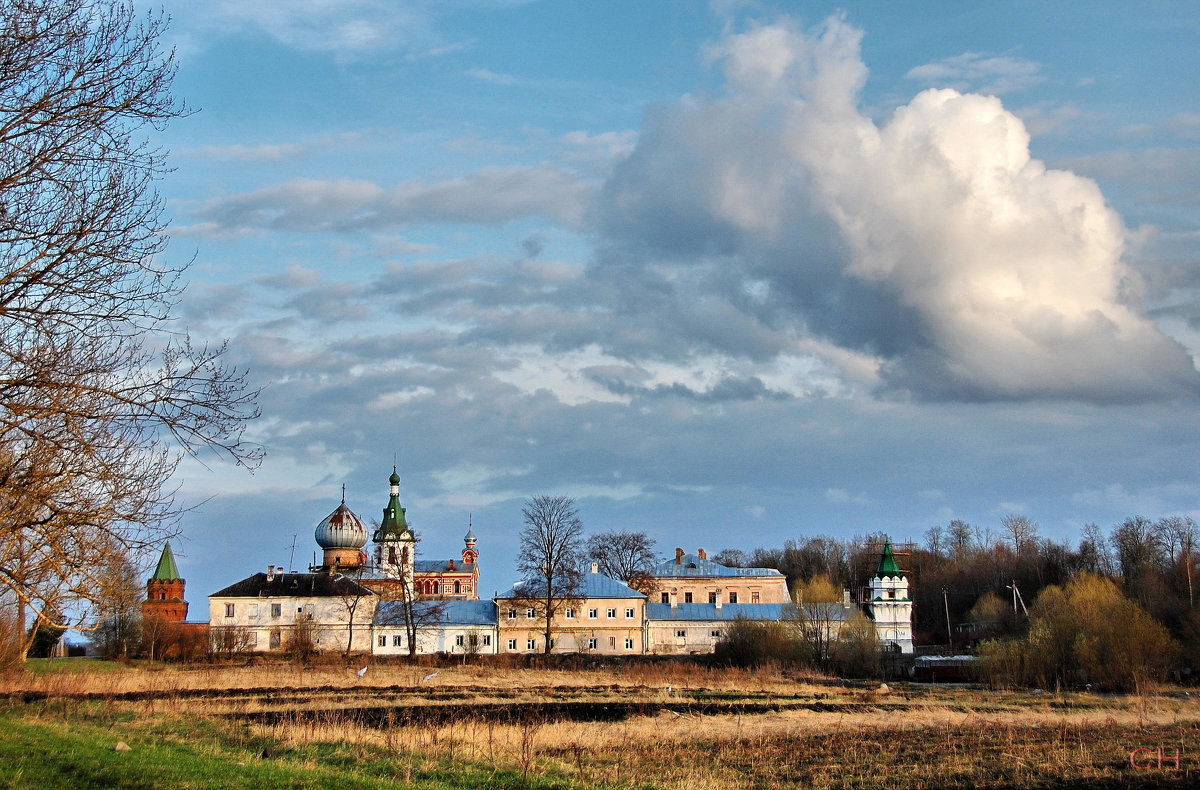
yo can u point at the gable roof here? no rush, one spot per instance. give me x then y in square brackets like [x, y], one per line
[595, 585]
[293, 585]
[691, 565]
[707, 612]
[479, 613]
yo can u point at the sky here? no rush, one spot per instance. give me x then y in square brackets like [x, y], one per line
[730, 274]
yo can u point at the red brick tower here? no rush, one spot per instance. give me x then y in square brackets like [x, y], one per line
[164, 591]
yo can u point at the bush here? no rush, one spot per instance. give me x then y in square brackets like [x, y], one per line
[753, 643]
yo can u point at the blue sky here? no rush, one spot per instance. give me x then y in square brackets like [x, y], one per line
[730, 274]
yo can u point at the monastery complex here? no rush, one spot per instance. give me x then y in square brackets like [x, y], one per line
[369, 594]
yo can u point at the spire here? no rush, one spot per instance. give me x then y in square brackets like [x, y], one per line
[469, 538]
[887, 561]
[166, 570]
[394, 524]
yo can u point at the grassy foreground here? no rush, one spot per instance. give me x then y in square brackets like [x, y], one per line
[276, 726]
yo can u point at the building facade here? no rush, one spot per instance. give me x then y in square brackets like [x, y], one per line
[608, 618]
[693, 578]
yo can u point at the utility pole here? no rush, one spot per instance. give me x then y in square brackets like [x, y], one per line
[949, 633]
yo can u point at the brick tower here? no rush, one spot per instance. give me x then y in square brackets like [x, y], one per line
[164, 591]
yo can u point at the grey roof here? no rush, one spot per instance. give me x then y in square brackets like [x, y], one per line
[452, 612]
[293, 585]
[733, 611]
[443, 566]
[595, 585]
[693, 565]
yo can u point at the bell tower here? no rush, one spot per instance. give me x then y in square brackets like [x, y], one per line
[395, 543]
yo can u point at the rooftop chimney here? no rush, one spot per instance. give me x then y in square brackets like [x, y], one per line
[451, 564]
[678, 556]
[700, 553]
[270, 573]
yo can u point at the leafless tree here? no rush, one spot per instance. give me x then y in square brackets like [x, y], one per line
[116, 621]
[1022, 531]
[1177, 535]
[624, 555]
[401, 605]
[351, 592]
[99, 393]
[550, 559]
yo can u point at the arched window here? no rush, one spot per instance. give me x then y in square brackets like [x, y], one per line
[457, 588]
[392, 554]
[435, 588]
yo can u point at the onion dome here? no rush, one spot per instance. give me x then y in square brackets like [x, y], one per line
[341, 529]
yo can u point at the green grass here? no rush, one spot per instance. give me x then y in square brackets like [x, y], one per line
[77, 749]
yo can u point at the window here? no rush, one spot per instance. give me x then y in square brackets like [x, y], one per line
[397, 640]
[512, 614]
[681, 633]
[487, 640]
[253, 638]
[612, 614]
[530, 614]
[276, 639]
[457, 588]
[687, 597]
[592, 643]
[308, 611]
[512, 644]
[712, 597]
[254, 610]
[628, 614]
[569, 613]
[612, 641]
[593, 614]
[460, 640]
[435, 588]
[665, 597]
[715, 633]
[531, 644]
[733, 597]
[382, 640]
[276, 610]
[229, 610]
[628, 644]
[754, 598]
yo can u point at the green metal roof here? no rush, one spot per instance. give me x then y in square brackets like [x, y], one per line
[166, 570]
[394, 522]
[887, 563]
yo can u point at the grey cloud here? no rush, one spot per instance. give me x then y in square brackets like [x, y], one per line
[979, 72]
[489, 197]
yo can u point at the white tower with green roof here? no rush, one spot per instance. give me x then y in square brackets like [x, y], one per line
[394, 541]
[890, 605]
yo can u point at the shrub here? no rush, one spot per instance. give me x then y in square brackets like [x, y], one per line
[753, 643]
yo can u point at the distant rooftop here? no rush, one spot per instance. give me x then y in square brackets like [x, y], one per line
[696, 565]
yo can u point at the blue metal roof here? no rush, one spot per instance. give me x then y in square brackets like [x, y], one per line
[692, 565]
[708, 611]
[453, 612]
[595, 585]
[442, 566]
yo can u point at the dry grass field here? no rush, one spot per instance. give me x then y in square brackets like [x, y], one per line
[657, 725]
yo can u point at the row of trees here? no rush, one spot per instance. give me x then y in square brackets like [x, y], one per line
[971, 583]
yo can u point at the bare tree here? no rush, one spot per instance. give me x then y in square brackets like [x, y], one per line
[99, 393]
[628, 556]
[402, 606]
[1022, 531]
[117, 617]
[551, 554]
[351, 593]
[1177, 534]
